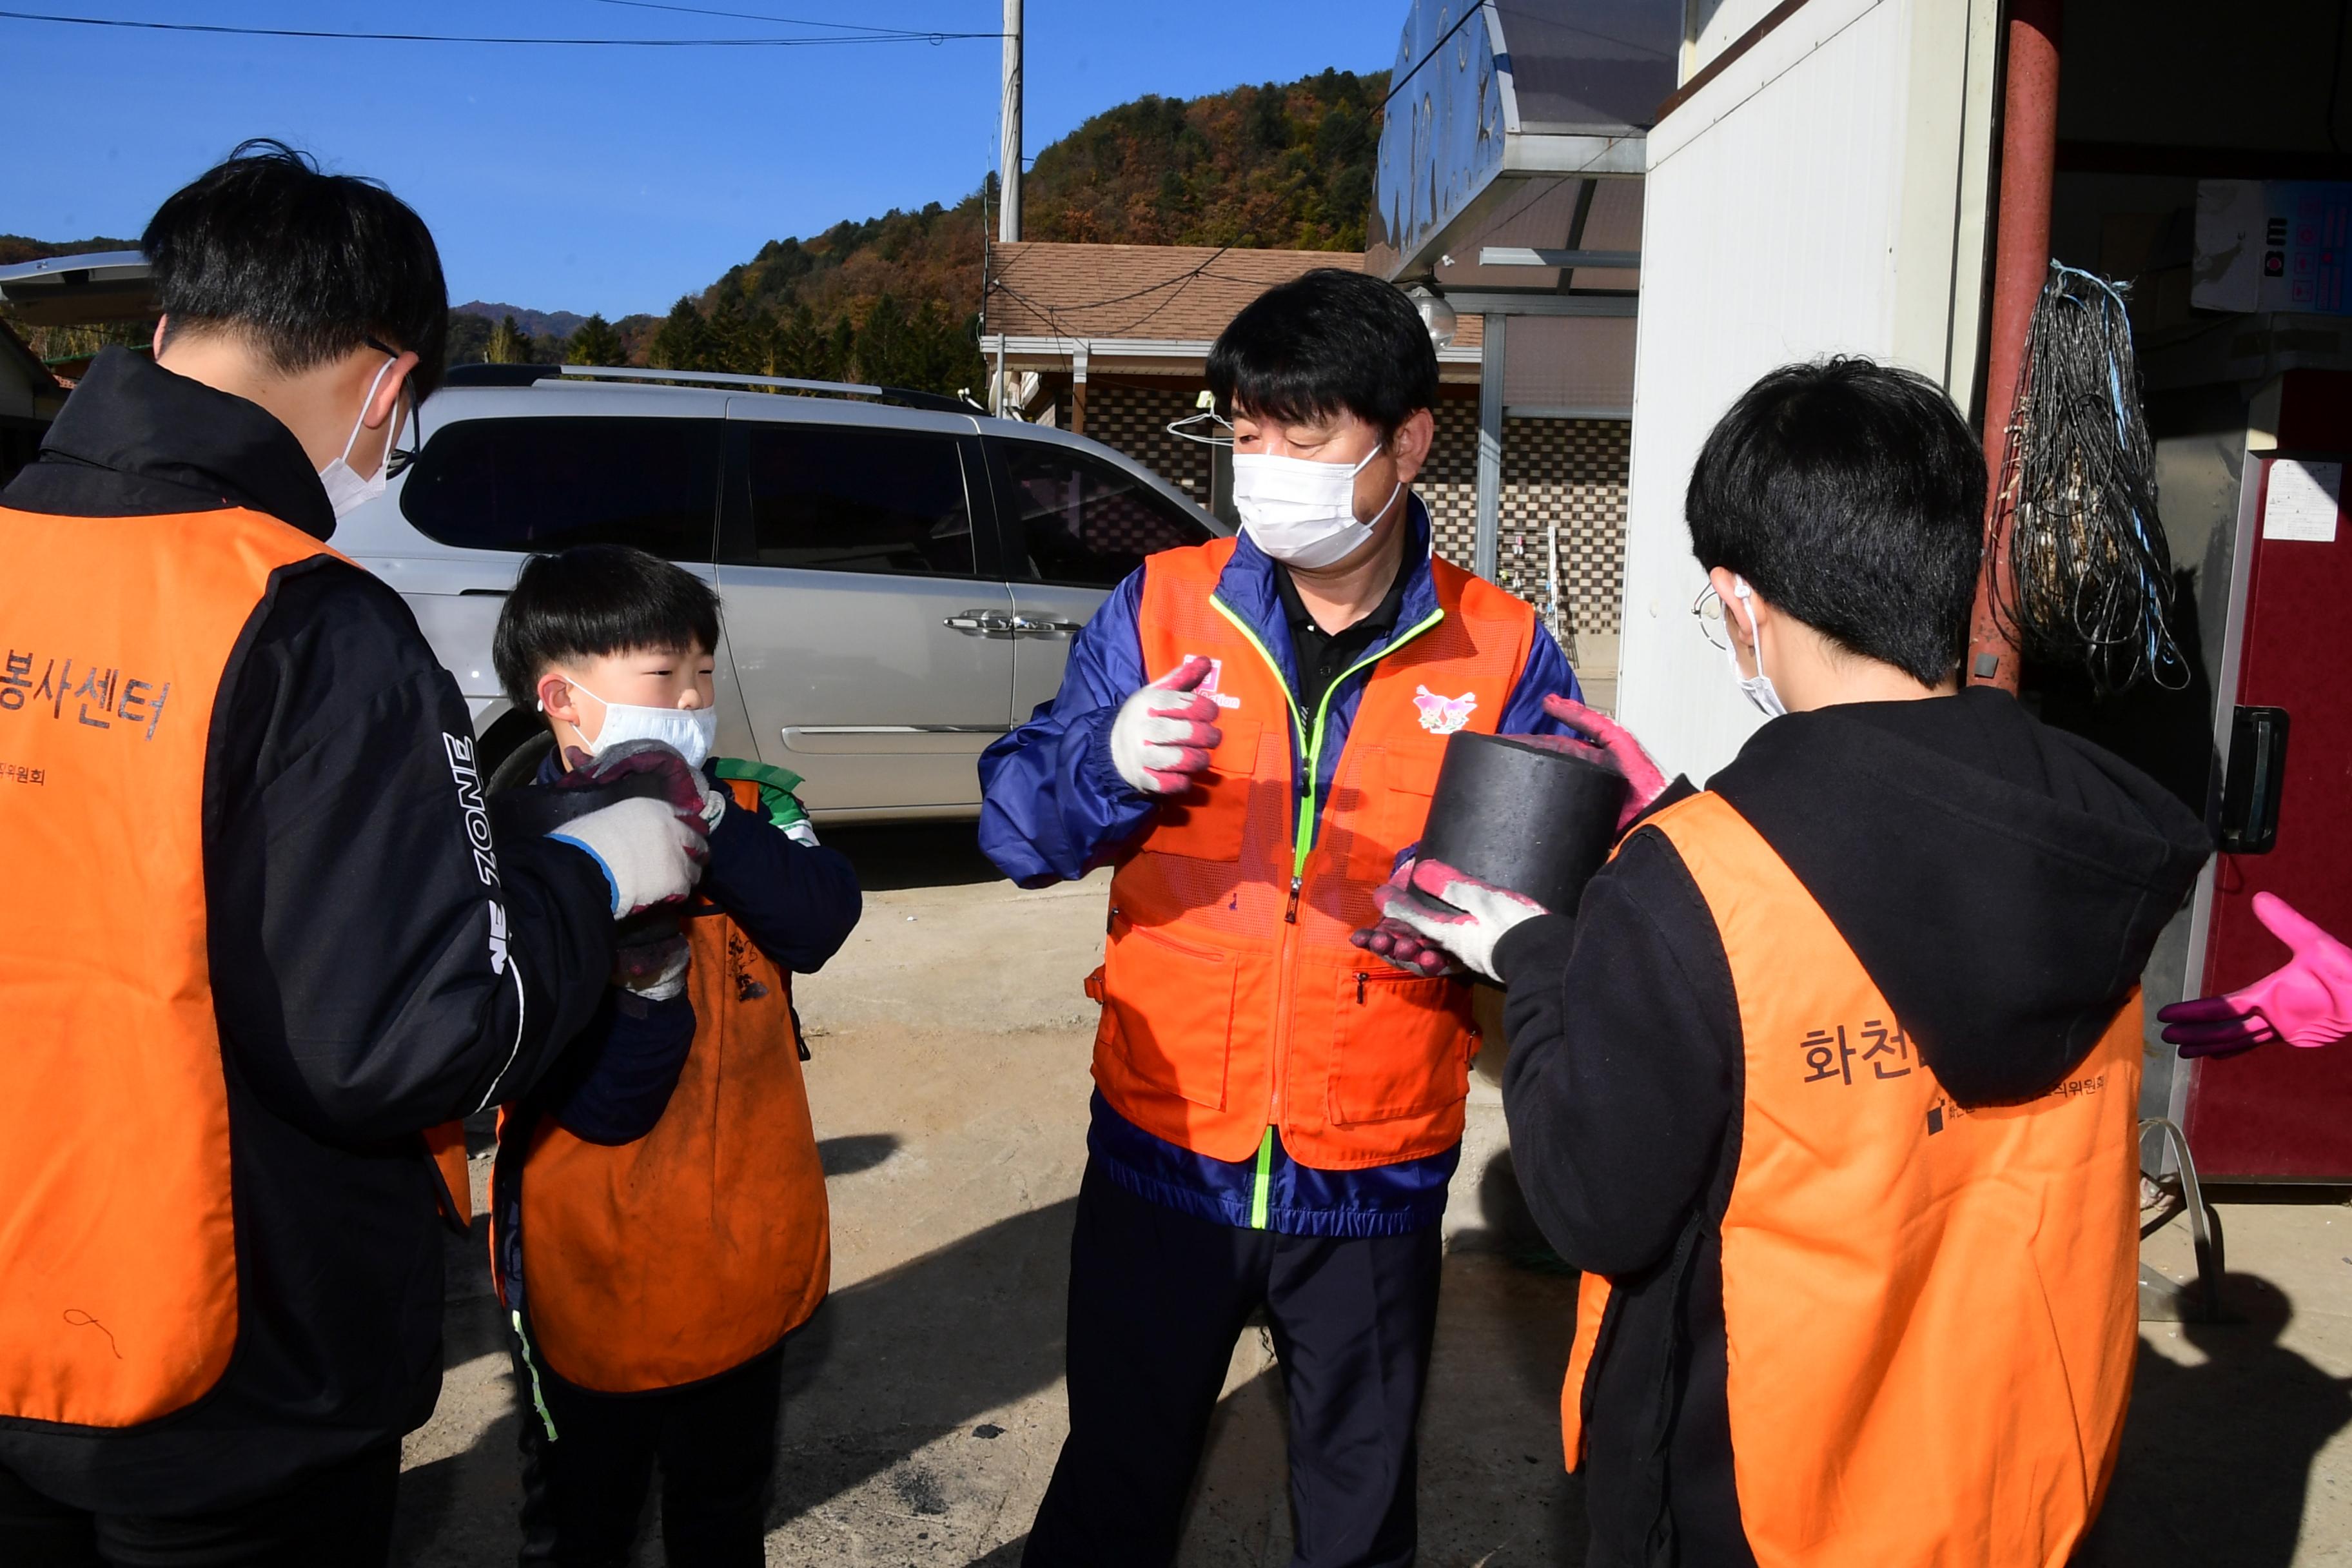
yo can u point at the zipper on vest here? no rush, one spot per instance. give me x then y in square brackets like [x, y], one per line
[1303, 820]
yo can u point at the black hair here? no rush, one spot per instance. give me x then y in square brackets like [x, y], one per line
[1851, 495]
[309, 266]
[1330, 342]
[591, 601]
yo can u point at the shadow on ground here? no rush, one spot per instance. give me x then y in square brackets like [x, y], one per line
[2217, 1458]
[914, 854]
[867, 1384]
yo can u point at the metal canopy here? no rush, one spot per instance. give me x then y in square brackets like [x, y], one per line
[79, 290]
[1487, 97]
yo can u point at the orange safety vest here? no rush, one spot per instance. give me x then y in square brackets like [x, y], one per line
[1233, 1004]
[687, 1253]
[1930, 1310]
[117, 1246]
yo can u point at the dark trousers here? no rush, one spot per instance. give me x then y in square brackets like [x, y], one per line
[340, 1517]
[584, 1492]
[1157, 1301]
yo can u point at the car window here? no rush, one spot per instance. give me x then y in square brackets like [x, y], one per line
[551, 483]
[1086, 521]
[830, 498]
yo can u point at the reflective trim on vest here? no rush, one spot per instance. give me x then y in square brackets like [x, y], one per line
[118, 1252]
[1231, 999]
[684, 1254]
[1930, 1311]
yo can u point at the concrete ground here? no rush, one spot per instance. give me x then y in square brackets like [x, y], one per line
[923, 1406]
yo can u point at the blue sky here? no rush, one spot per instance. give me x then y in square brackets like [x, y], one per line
[601, 179]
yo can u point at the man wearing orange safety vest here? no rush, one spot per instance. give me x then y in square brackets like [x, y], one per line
[263, 940]
[1831, 1083]
[1277, 1114]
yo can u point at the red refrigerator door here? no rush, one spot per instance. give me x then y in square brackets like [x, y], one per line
[2278, 1113]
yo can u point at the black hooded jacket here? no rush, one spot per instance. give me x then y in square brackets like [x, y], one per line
[359, 995]
[2002, 883]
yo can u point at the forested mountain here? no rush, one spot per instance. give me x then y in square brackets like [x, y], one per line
[896, 299]
[15, 247]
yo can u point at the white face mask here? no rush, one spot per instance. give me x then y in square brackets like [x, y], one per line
[1756, 688]
[1301, 511]
[346, 492]
[688, 731]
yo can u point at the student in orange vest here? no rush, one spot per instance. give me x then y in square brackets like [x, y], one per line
[266, 938]
[1831, 1084]
[1277, 1114]
[659, 1213]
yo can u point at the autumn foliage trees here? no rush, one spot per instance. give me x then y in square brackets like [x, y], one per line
[897, 299]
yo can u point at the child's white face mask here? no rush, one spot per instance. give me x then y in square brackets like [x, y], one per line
[1756, 688]
[691, 732]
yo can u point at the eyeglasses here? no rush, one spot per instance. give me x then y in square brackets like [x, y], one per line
[1708, 608]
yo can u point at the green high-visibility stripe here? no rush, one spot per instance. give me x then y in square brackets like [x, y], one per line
[1265, 1182]
[538, 1398]
[1311, 746]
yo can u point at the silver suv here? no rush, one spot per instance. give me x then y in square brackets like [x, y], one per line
[900, 575]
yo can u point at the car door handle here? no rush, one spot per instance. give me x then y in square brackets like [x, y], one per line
[1042, 626]
[984, 623]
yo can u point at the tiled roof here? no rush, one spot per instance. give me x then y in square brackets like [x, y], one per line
[1181, 292]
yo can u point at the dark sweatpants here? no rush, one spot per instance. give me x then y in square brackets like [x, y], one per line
[1157, 1301]
[340, 1517]
[716, 1441]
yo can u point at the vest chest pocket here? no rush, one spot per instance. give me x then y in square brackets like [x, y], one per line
[1394, 807]
[1169, 1011]
[1400, 1045]
[1208, 821]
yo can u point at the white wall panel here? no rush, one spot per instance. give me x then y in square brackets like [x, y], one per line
[1784, 221]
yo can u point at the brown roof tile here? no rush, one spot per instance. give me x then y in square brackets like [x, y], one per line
[1187, 292]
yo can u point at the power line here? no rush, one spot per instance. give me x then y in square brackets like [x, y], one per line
[222, 28]
[894, 34]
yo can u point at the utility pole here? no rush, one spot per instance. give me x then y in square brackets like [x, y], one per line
[1008, 153]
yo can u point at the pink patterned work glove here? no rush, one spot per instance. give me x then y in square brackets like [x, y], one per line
[1643, 781]
[1452, 912]
[1164, 733]
[2306, 1002]
[1396, 944]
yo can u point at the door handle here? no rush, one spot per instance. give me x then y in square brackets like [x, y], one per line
[986, 623]
[2250, 795]
[1043, 625]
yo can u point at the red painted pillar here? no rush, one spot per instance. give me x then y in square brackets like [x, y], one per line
[2029, 155]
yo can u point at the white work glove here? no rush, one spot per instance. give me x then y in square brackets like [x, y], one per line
[654, 969]
[1162, 735]
[648, 852]
[714, 803]
[1451, 912]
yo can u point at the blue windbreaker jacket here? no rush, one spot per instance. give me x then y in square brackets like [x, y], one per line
[1053, 808]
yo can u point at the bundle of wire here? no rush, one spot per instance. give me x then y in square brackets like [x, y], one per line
[2090, 576]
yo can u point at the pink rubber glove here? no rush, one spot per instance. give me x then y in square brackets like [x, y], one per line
[1163, 733]
[1454, 912]
[1645, 783]
[2307, 1002]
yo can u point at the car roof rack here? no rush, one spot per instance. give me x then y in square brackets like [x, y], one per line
[527, 374]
